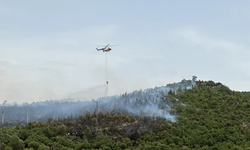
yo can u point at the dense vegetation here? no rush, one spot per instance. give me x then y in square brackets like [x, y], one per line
[211, 117]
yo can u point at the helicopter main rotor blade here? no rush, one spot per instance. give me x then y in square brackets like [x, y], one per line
[113, 45]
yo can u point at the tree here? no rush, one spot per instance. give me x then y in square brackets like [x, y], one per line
[43, 147]
[2, 145]
[88, 132]
[84, 145]
[8, 148]
[34, 145]
[16, 143]
[23, 134]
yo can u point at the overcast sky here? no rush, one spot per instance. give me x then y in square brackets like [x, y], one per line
[47, 48]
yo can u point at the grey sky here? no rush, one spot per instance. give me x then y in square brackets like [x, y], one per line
[47, 48]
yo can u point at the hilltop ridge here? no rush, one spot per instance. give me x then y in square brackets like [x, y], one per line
[208, 116]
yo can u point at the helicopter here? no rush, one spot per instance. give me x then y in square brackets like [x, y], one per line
[105, 48]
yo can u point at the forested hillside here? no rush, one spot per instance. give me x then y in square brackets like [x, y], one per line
[208, 116]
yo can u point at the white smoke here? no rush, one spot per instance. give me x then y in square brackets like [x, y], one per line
[151, 102]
